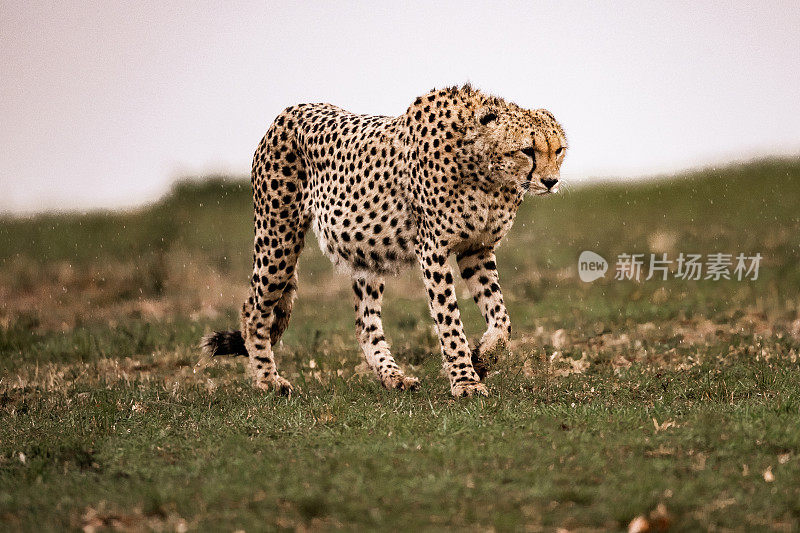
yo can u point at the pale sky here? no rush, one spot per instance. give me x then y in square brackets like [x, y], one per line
[104, 104]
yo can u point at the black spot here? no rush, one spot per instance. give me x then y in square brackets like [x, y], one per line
[488, 117]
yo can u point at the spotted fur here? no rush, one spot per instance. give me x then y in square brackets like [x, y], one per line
[382, 193]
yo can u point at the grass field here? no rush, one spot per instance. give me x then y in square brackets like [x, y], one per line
[677, 401]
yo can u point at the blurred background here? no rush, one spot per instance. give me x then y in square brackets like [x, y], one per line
[105, 104]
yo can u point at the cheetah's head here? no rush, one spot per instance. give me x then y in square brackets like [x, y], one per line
[520, 148]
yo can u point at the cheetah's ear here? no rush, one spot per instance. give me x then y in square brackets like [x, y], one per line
[485, 115]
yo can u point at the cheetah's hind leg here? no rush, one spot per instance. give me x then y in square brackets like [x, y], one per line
[283, 311]
[265, 315]
[368, 292]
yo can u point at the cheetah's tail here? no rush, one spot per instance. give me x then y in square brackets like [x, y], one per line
[223, 343]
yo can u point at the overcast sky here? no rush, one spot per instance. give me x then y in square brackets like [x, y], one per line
[104, 104]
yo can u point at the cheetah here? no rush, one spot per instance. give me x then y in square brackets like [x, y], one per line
[382, 193]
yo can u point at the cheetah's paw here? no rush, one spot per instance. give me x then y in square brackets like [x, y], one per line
[466, 389]
[486, 354]
[278, 384]
[481, 362]
[400, 381]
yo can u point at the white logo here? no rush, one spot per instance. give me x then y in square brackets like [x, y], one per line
[591, 266]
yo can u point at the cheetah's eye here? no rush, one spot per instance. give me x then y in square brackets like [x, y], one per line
[528, 151]
[561, 149]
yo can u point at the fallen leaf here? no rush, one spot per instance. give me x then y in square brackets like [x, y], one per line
[639, 525]
[664, 425]
[559, 339]
[660, 520]
[699, 462]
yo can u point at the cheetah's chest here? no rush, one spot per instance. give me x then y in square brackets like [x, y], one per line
[480, 220]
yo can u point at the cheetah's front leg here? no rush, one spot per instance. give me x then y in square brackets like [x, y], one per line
[479, 271]
[438, 278]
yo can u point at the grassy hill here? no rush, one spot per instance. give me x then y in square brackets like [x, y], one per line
[618, 396]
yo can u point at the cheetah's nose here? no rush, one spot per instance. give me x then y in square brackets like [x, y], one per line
[549, 182]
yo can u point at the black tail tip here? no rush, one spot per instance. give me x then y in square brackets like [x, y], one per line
[223, 343]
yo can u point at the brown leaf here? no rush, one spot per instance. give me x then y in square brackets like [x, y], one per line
[639, 525]
[659, 520]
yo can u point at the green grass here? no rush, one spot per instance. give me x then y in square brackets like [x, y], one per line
[618, 396]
